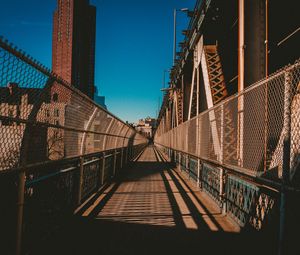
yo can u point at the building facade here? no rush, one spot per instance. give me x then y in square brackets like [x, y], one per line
[73, 45]
[47, 143]
[146, 126]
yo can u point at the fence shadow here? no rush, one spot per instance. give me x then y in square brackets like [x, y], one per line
[149, 210]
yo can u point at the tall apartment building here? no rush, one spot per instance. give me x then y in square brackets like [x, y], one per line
[73, 45]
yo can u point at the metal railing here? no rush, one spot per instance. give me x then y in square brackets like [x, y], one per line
[249, 201]
[57, 147]
[244, 153]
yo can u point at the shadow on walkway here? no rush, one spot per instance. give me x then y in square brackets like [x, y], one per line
[151, 210]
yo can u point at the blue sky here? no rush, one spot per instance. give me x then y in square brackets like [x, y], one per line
[133, 46]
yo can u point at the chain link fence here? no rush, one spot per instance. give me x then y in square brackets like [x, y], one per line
[246, 132]
[42, 117]
[57, 148]
[247, 151]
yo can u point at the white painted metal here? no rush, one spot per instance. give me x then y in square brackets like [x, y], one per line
[241, 66]
[191, 94]
[176, 106]
[106, 131]
[88, 124]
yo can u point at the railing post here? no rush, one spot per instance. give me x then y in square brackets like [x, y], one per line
[221, 159]
[286, 161]
[222, 191]
[129, 153]
[126, 155]
[199, 173]
[180, 158]
[100, 171]
[115, 163]
[187, 165]
[81, 161]
[103, 169]
[121, 164]
[20, 210]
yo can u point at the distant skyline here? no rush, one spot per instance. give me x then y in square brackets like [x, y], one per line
[134, 41]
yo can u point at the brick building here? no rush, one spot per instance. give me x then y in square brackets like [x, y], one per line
[73, 45]
[16, 103]
[146, 126]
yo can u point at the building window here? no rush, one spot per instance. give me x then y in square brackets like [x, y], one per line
[10, 115]
[56, 112]
[55, 97]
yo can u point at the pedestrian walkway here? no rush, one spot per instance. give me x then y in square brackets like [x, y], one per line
[150, 209]
[153, 194]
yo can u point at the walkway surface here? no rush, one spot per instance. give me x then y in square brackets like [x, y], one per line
[150, 209]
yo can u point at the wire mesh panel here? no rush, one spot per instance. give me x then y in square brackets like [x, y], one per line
[246, 131]
[252, 124]
[42, 117]
[295, 122]
[230, 132]
[91, 176]
[192, 136]
[204, 134]
[52, 138]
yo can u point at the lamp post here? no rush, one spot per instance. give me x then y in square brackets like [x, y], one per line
[174, 34]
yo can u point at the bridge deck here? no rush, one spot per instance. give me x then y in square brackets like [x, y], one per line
[151, 209]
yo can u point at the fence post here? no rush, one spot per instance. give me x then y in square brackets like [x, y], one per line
[103, 169]
[179, 156]
[115, 163]
[126, 155]
[81, 161]
[221, 159]
[285, 160]
[187, 165]
[121, 164]
[199, 173]
[100, 171]
[20, 210]
[129, 153]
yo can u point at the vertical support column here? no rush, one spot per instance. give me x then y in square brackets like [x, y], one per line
[191, 93]
[286, 163]
[103, 169]
[198, 134]
[187, 160]
[198, 91]
[221, 159]
[115, 163]
[241, 47]
[100, 171]
[179, 159]
[122, 152]
[20, 210]
[81, 161]
[199, 174]
[266, 85]
[126, 157]
[241, 79]
[267, 38]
